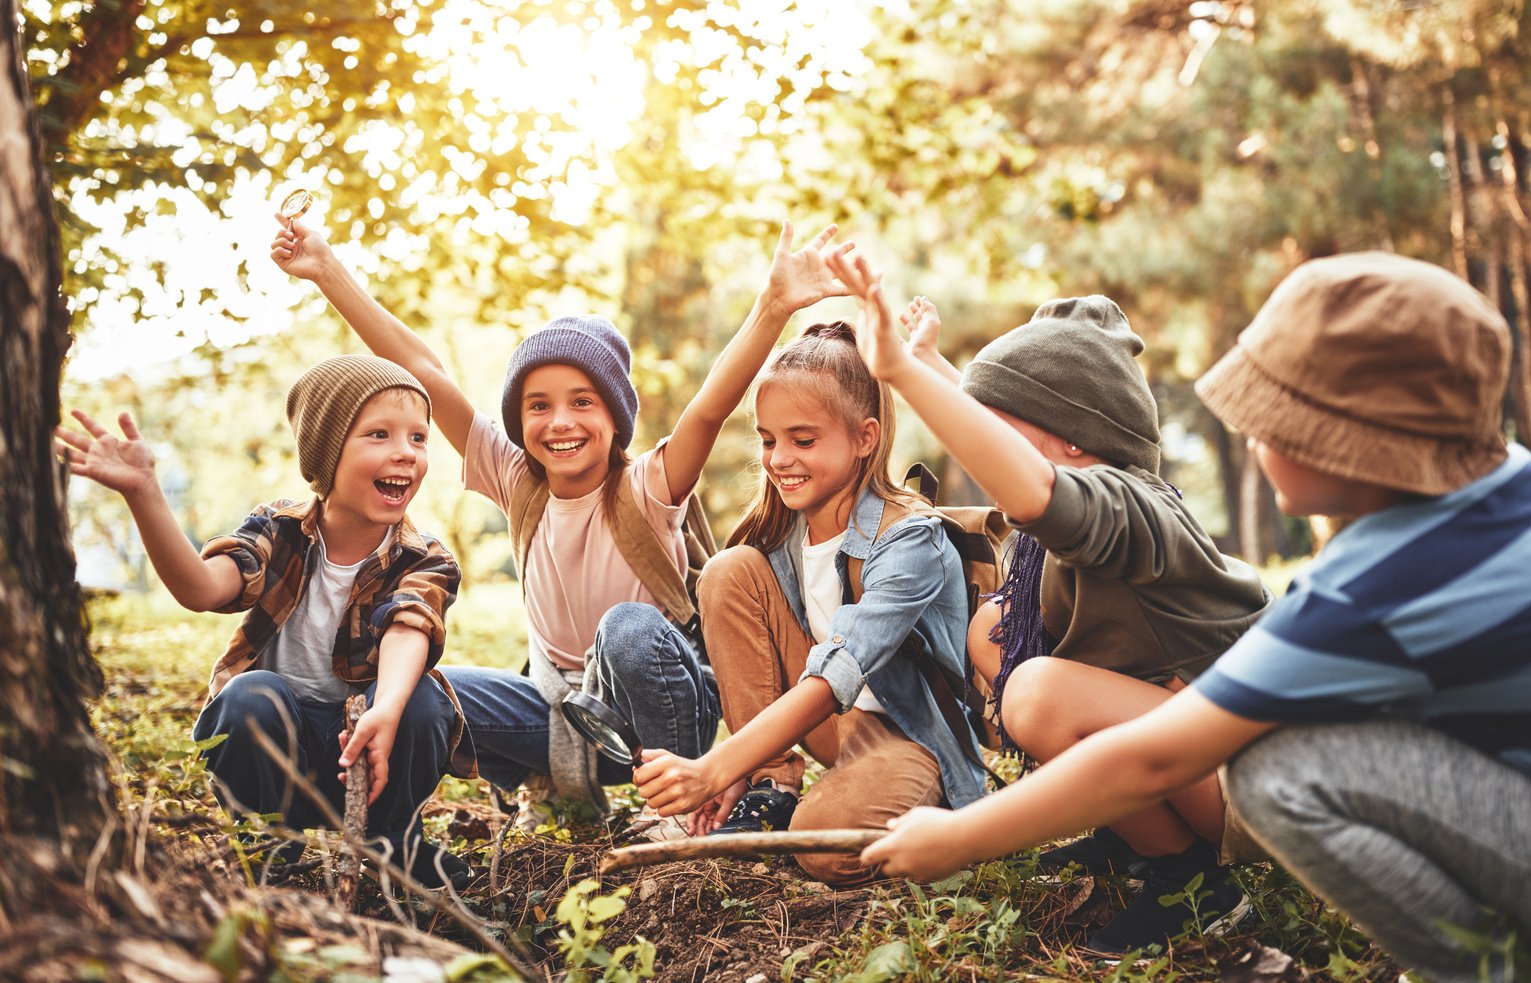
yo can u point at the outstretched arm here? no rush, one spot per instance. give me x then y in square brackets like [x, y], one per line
[1005, 464]
[303, 253]
[675, 785]
[797, 280]
[1110, 774]
[126, 466]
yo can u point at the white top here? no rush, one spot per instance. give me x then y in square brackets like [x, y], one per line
[822, 597]
[303, 652]
[574, 571]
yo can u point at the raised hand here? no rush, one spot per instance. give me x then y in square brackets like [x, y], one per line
[923, 322]
[803, 278]
[125, 465]
[299, 250]
[877, 337]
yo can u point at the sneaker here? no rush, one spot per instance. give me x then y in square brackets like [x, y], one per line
[429, 864]
[648, 825]
[534, 807]
[1102, 852]
[763, 807]
[1219, 903]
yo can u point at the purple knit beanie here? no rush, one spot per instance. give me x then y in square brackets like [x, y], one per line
[589, 343]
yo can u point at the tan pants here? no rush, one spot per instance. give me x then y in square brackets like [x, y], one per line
[759, 651]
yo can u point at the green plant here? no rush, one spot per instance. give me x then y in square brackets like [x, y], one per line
[584, 914]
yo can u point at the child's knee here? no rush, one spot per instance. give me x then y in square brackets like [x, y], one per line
[734, 569]
[428, 714]
[253, 700]
[1268, 784]
[628, 636]
[1034, 708]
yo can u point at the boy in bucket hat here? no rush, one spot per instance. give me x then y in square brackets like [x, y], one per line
[1390, 689]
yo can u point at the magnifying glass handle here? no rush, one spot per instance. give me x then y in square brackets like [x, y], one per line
[637, 758]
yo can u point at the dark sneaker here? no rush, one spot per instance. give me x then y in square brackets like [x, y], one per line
[763, 807]
[1216, 903]
[1102, 852]
[432, 866]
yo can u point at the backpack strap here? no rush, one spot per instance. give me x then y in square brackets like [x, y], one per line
[947, 701]
[528, 500]
[646, 554]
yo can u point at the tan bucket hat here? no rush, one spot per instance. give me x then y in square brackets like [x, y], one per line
[1372, 367]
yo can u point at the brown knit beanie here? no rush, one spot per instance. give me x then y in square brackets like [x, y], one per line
[323, 403]
[1072, 371]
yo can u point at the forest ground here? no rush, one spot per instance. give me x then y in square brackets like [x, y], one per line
[753, 920]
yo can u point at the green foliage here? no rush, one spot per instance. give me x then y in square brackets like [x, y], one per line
[583, 913]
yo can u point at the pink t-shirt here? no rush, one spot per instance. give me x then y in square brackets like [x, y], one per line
[574, 572]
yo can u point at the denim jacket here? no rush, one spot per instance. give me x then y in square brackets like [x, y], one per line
[914, 593]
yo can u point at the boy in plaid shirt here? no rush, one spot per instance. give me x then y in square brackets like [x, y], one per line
[341, 594]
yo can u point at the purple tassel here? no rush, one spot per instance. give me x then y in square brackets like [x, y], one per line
[1019, 631]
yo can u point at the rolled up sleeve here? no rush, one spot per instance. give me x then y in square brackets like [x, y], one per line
[250, 547]
[421, 600]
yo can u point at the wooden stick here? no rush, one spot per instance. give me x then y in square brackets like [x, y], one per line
[358, 779]
[741, 845]
[452, 909]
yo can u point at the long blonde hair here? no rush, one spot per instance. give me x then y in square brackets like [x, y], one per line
[850, 395]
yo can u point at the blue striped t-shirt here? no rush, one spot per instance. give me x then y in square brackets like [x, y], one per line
[1420, 611]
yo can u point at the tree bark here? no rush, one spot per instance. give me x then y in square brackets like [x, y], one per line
[1251, 487]
[54, 785]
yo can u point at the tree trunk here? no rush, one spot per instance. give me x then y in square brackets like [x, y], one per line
[54, 787]
[1251, 488]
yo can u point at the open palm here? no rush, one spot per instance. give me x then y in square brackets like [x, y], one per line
[125, 465]
[799, 279]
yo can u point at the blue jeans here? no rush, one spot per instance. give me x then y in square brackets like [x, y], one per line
[648, 673]
[252, 782]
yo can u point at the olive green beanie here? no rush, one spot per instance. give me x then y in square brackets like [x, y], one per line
[324, 402]
[1072, 371]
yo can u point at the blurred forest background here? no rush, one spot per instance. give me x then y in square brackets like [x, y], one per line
[490, 165]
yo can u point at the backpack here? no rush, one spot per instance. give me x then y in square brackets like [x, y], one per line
[979, 534]
[640, 546]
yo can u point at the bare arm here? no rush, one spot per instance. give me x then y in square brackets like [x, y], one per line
[303, 253]
[1005, 464]
[1113, 773]
[796, 280]
[400, 666]
[675, 785]
[126, 466]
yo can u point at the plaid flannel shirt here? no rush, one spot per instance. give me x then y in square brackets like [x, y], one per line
[412, 583]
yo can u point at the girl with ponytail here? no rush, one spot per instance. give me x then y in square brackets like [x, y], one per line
[801, 657]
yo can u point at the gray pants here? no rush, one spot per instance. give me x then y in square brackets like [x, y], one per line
[1402, 828]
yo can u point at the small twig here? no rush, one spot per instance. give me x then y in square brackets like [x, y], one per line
[741, 845]
[467, 922]
[358, 778]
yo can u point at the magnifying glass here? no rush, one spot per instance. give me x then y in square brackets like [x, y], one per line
[604, 728]
[295, 204]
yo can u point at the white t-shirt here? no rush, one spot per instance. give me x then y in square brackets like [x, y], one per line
[822, 597]
[303, 652]
[574, 571]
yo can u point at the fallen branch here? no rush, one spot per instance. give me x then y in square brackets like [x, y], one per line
[741, 845]
[354, 828]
